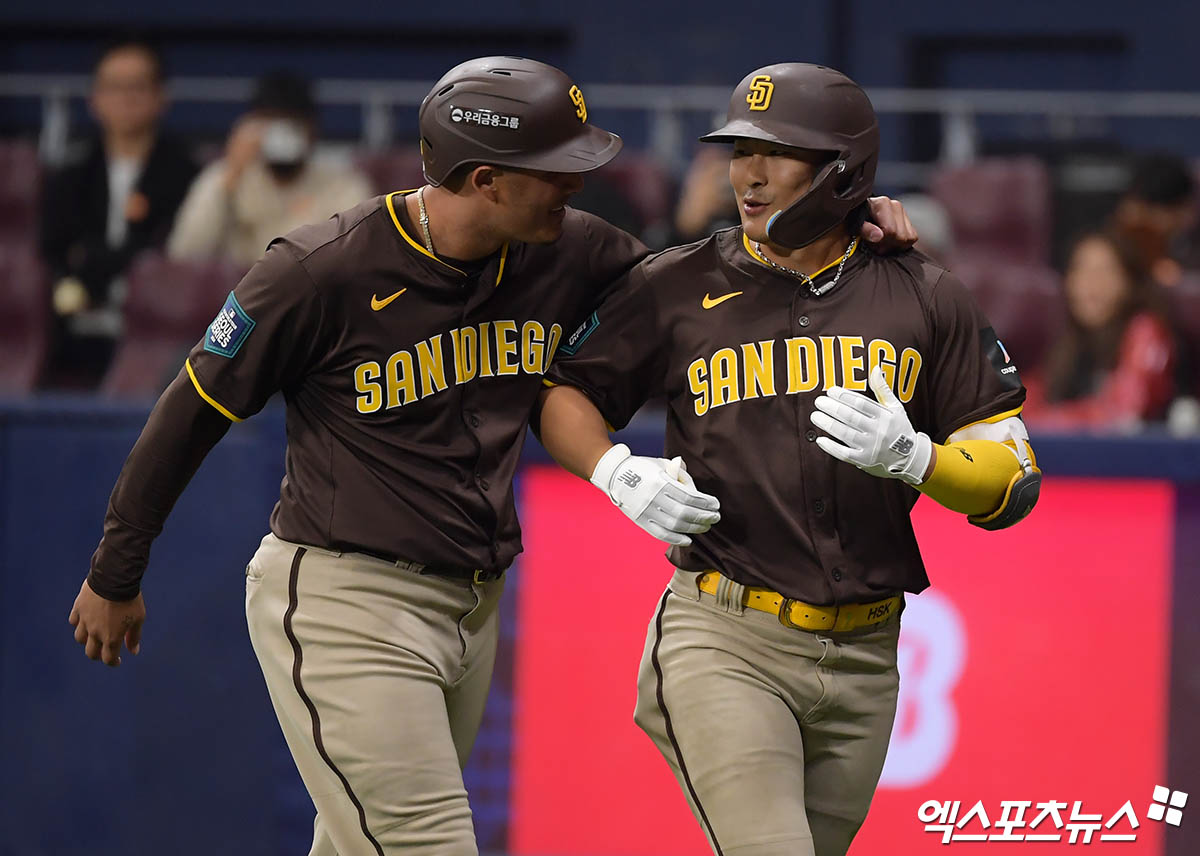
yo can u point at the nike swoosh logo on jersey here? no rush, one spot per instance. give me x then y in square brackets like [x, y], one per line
[709, 303]
[378, 304]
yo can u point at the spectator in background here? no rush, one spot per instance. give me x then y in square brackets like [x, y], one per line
[706, 203]
[1113, 367]
[119, 197]
[268, 182]
[1157, 212]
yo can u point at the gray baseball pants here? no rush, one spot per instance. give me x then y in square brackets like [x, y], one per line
[378, 676]
[777, 736]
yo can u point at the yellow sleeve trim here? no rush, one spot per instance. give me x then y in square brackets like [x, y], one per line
[420, 248]
[548, 383]
[188, 365]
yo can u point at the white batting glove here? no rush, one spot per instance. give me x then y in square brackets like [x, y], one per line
[876, 435]
[656, 494]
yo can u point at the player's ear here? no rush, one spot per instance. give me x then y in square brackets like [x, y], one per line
[484, 180]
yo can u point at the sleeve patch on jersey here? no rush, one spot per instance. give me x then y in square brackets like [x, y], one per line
[229, 330]
[999, 357]
[587, 328]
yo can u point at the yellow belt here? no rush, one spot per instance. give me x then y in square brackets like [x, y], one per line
[805, 616]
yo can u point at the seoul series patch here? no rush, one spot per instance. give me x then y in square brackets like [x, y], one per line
[587, 328]
[229, 330]
[998, 356]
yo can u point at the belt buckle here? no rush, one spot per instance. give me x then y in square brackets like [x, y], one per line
[785, 614]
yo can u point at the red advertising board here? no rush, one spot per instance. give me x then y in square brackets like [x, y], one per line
[1034, 669]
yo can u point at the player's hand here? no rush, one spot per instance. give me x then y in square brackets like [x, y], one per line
[888, 228]
[101, 625]
[245, 141]
[656, 494]
[876, 434]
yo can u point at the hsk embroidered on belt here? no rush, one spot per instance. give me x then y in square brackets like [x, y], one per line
[804, 616]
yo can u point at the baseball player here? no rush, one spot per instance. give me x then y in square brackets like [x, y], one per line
[816, 390]
[409, 337]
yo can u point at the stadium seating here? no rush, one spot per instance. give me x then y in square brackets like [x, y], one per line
[24, 318]
[392, 169]
[1024, 303]
[20, 188]
[998, 207]
[168, 306]
[646, 184]
[638, 178]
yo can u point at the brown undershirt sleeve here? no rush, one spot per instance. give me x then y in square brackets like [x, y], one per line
[180, 432]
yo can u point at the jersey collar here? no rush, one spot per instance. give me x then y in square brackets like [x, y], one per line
[423, 250]
[755, 263]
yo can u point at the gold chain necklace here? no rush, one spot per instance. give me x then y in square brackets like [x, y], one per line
[425, 221]
[805, 278]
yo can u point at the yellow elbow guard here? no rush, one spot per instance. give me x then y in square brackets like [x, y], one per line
[1019, 499]
[995, 484]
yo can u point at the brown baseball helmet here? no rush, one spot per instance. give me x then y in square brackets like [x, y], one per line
[509, 111]
[816, 108]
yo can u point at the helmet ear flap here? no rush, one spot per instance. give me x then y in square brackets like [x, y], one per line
[815, 213]
[844, 179]
[849, 180]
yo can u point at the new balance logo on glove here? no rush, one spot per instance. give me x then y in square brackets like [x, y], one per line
[902, 445]
[629, 478]
[656, 494]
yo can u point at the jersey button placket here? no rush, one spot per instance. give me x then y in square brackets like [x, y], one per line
[803, 321]
[481, 481]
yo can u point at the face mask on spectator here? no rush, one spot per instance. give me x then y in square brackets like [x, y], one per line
[285, 143]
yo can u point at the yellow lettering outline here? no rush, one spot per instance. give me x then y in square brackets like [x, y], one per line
[699, 386]
[504, 348]
[758, 369]
[366, 381]
[533, 347]
[910, 367]
[724, 373]
[432, 364]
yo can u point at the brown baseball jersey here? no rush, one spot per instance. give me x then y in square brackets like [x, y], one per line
[740, 350]
[409, 378]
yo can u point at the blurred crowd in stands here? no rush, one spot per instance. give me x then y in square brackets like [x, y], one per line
[112, 264]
